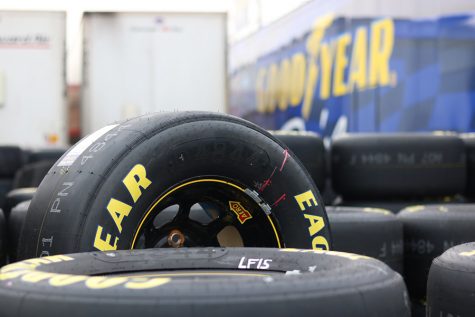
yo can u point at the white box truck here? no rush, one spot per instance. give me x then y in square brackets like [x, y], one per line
[32, 79]
[136, 63]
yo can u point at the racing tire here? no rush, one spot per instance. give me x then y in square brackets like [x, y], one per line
[429, 231]
[15, 226]
[203, 282]
[108, 190]
[393, 166]
[372, 232]
[451, 284]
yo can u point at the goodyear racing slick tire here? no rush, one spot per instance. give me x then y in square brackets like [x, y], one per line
[108, 190]
[451, 284]
[429, 231]
[372, 232]
[372, 166]
[31, 175]
[202, 282]
[15, 225]
[309, 149]
[15, 197]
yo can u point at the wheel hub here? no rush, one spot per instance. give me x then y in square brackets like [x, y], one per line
[176, 239]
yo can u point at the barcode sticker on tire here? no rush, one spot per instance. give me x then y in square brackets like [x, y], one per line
[78, 149]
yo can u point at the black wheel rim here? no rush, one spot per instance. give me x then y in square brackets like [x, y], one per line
[207, 212]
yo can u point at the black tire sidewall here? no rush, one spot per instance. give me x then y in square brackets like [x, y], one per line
[321, 281]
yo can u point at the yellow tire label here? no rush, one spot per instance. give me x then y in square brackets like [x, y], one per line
[27, 272]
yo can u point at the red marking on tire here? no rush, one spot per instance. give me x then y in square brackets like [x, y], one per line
[268, 181]
[286, 156]
[281, 198]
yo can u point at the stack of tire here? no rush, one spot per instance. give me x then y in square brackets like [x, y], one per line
[106, 194]
[427, 173]
[24, 181]
[30, 169]
[373, 232]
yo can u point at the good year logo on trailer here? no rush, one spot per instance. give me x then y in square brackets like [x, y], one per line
[334, 64]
